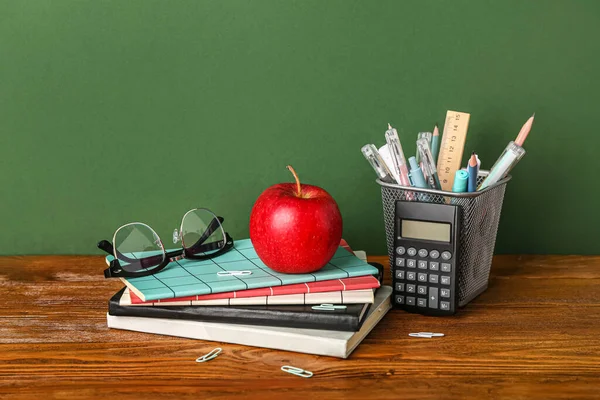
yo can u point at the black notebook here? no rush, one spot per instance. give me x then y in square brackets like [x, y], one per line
[349, 319]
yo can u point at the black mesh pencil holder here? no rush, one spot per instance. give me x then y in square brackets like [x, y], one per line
[480, 218]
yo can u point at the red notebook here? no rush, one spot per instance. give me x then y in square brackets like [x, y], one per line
[334, 285]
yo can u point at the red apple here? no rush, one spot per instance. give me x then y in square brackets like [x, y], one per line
[295, 228]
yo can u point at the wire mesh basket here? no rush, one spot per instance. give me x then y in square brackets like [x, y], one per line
[480, 218]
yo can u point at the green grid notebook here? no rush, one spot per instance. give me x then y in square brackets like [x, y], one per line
[192, 277]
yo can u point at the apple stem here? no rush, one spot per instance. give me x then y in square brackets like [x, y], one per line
[297, 180]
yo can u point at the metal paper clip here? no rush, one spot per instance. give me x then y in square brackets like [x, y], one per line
[296, 371]
[427, 335]
[234, 273]
[328, 307]
[209, 356]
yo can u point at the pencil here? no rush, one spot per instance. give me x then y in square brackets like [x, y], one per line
[435, 143]
[524, 131]
[473, 171]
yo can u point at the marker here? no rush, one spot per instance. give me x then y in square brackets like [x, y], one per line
[423, 135]
[460, 181]
[473, 171]
[374, 158]
[510, 157]
[427, 164]
[435, 143]
[399, 162]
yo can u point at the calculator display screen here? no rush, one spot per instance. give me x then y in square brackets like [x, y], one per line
[425, 230]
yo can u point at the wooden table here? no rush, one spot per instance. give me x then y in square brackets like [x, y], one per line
[533, 334]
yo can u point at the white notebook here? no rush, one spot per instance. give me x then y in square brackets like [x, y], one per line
[312, 341]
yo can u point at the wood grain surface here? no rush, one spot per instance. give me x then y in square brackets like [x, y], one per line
[534, 334]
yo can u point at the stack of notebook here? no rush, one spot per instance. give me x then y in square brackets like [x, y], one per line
[265, 308]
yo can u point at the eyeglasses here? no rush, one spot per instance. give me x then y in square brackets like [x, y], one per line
[139, 251]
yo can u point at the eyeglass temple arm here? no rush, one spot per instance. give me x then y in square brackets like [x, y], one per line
[146, 262]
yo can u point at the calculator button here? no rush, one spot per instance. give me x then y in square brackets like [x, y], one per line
[422, 302]
[411, 276]
[399, 299]
[446, 255]
[422, 264]
[400, 250]
[422, 289]
[412, 251]
[433, 278]
[411, 263]
[410, 288]
[422, 277]
[444, 292]
[434, 265]
[399, 287]
[446, 267]
[445, 280]
[434, 254]
[444, 305]
[400, 262]
[433, 297]
[410, 301]
[400, 274]
[423, 253]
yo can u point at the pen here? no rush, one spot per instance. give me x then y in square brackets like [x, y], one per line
[435, 143]
[511, 155]
[427, 164]
[374, 158]
[418, 180]
[399, 162]
[384, 152]
[416, 174]
[423, 135]
[473, 171]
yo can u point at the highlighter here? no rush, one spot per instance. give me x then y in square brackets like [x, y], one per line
[428, 165]
[461, 179]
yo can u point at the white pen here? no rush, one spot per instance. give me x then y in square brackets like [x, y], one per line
[393, 142]
[374, 158]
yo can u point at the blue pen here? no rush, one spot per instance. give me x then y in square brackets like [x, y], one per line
[416, 174]
[473, 171]
[418, 179]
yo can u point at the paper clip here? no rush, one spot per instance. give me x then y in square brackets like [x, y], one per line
[427, 335]
[296, 371]
[328, 307]
[209, 356]
[234, 273]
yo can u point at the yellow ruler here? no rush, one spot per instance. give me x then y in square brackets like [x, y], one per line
[453, 145]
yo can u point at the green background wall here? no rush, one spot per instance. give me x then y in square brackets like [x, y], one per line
[116, 111]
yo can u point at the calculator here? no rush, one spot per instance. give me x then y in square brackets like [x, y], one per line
[426, 254]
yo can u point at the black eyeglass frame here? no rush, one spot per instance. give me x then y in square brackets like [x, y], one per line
[116, 271]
